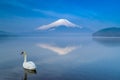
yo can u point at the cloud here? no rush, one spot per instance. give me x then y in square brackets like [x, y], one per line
[54, 14]
[58, 50]
[15, 3]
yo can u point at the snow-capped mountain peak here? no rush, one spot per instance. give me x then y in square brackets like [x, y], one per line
[58, 23]
[64, 22]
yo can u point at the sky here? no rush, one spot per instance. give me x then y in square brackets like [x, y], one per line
[27, 15]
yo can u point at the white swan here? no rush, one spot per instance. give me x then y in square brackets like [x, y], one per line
[28, 64]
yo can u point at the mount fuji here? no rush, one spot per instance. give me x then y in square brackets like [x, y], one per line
[57, 24]
[60, 27]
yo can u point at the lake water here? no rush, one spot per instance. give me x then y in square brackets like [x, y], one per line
[60, 58]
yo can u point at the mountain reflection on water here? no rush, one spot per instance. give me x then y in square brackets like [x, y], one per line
[59, 50]
[59, 58]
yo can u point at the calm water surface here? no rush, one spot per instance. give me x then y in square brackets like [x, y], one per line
[60, 58]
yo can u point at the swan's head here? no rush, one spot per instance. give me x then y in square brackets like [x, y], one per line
[23, 53]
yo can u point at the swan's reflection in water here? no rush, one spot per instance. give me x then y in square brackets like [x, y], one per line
[27, 72]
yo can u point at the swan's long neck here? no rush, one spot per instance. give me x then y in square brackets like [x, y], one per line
[25, 57]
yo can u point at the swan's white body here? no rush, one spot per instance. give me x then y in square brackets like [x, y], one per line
[28, 64]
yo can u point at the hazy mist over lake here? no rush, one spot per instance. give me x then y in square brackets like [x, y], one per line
[61, 58]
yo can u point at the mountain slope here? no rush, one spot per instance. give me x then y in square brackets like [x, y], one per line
[3, 33]
[108, 32]
[6, 34]
[58, 23]
[60, 27]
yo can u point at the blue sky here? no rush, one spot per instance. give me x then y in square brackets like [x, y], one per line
[27, 15]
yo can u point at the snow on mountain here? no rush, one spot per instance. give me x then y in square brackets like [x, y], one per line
[58, 23]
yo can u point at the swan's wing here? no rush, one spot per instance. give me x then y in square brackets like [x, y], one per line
[29, 65]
